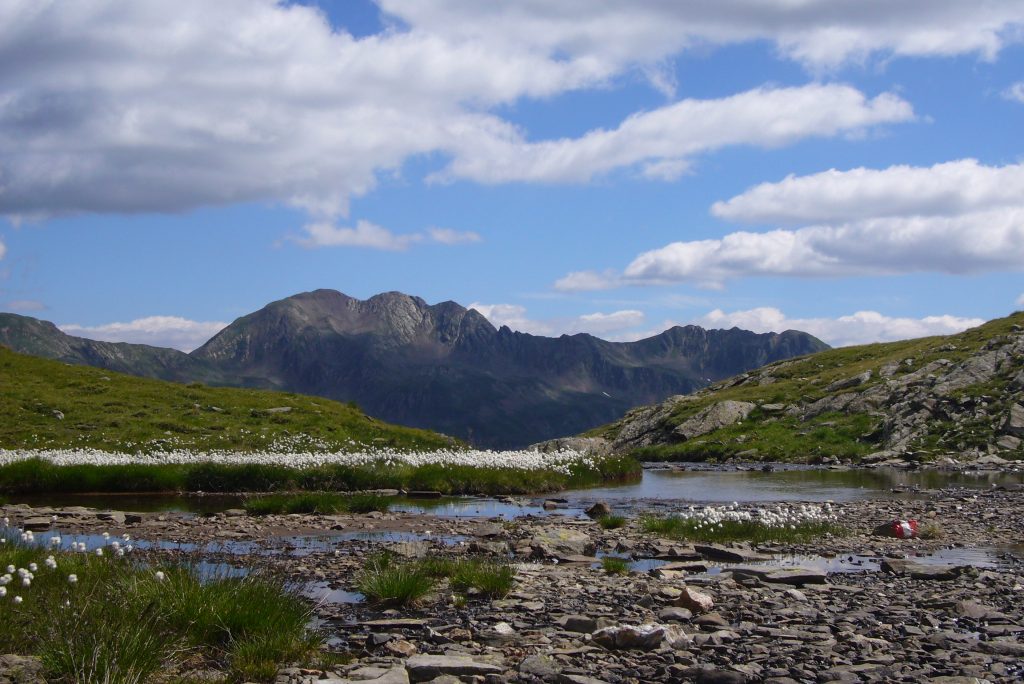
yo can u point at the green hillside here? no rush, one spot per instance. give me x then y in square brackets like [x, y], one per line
[923, 397]
[52, 405]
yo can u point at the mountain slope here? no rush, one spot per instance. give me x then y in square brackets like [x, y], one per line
[925, 398]
[48, 404]
[447, 368]
[28, 335]
[438, 366]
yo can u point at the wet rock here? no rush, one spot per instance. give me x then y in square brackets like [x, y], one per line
[695, 601]
[599, 510]
[921, 571]
[15, 669]
[422, 668]
[37, 524]
[729, 554]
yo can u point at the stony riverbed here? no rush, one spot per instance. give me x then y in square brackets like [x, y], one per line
[849, 609]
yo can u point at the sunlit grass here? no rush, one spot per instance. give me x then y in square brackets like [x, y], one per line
[694, 529]
[106, 618]
[613, 565]
[323, 503]
[389, 581]
[612, 522]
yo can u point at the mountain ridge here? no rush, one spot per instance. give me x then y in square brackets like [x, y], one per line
[439, 366]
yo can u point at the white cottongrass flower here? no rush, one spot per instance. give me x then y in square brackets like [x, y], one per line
[5, 579]
[54, 541]
[72, 579]
[560, 461]
[99, 552]
[3, 592]
[160, 576]
[18, 599]
[51, 563]
[26, 581]
[33, 567]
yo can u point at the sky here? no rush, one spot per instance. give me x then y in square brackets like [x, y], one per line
[851, 168]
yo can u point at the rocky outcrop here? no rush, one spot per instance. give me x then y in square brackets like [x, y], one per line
[964, 397]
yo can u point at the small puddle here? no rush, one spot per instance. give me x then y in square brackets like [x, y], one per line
[322, 593]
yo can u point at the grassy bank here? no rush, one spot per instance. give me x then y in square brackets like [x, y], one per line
[388, 581]
[322, 503]
[39, 476]
[52, 405]
[754, 532]
[107, 619]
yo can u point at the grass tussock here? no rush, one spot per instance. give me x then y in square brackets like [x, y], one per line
[694, 529]
[387, 581]
[323, 503]
[612, 522]
[37, 476]
[121, 622]
[613, 565]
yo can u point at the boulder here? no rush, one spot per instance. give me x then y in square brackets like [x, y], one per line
[1014, 423]
[695, 601]
[599, 510]
[718, 415]
[922, 571]
[630, 637]
[557, 542]
[847, 383]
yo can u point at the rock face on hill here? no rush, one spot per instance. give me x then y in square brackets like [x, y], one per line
[962, 395]
[443, 366]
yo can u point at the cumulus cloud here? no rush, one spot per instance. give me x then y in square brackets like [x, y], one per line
[25, 305]
[861, 327]
[599, 324]
[160, 106]
[817, 33]
[948, 189]
[159, 331]
[957, 217]
[1015, 92]
[767, 117]
[372, 236]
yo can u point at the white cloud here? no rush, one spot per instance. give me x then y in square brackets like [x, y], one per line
[157, 106]
[365, 234]
[159, 331]
[661, 138]
[948, 189]
[861, 327]
[957, 217]
[3, 250]
[818, 33]
[583, 281]
[447, 236]
[25, 305]
[598, 324]
[1015, 92]
[372, 236]
[1020, 300]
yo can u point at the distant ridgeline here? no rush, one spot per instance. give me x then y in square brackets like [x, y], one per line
[442, 367]
[919, 400]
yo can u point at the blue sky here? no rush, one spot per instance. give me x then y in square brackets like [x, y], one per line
[853, 169]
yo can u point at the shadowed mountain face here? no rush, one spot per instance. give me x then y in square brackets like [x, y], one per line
[441, 366]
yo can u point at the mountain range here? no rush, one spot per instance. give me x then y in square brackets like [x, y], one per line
[440, 366]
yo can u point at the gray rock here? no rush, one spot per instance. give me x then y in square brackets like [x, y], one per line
[695, 601]
[562, 541]
[921, 571]
[718, 415]
[15, 669]
[541, 666]
[37, 524]
[373, 675]
[847, 383]
[629, 637]
[674, 614]
[597, 446]
[422, 668]
[1014, 423]
[599, 510]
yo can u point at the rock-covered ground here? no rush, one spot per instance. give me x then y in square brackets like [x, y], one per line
[847, 609]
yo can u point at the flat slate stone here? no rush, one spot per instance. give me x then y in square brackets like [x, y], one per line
[422, 668]
[396, 623]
